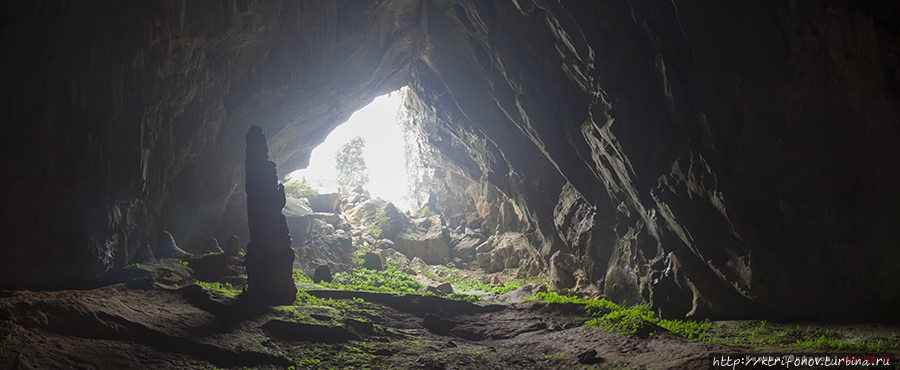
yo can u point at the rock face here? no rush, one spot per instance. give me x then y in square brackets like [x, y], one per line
[509, 250]
[424, 238]
[715, 159]
[270, 259]
[382, 217]
[334, 250]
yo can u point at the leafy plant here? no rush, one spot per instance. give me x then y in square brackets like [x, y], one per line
[426, 212]
[350, 165]
[300, 189]
[390, 280]
[301, 277]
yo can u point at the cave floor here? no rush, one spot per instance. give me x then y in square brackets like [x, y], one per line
[153, 323]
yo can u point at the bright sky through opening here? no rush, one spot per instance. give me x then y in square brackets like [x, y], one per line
[383, 153]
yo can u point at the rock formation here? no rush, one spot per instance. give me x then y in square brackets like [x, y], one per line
[715, 159]
[269, 259]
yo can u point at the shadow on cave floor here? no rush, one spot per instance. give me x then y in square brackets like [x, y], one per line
[165, 320]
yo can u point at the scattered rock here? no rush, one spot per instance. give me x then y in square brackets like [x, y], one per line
[495, 280]
[465, 248]
[323, 273]
[143, 254]
[529, 270]
[384, 244]
[433, 290]
[320, 226]
[393, 257]
[167, 247]
[510, 249]
[424, 238]
[211, 245]
[562, 270]
[381, 219]
[437, 325]
[523, 292]
[335, 250]
[325, 203]
[589, 357]
[233, 246]
[372, 261]
[410, 271]
[417, 262]
[446, 288]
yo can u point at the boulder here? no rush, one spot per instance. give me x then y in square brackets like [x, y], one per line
[509, 251]
[424, 238]
[562, 271]
[323, 273]
[167, 247]
[381, 219]
[334, 249]
[523, 292]
[143, 254]
[327, 203]
[372, 261]
[384, 244]
[437, 325]
[233, 246]
[320, 226]
[445, 288]
[211, 245]
[432, 289]
[392, 257]
[296, 207]
[465, 247]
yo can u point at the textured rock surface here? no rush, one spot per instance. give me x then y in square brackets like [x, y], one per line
[741, 157]
[270, 259]
[336, 251]
[425, 238]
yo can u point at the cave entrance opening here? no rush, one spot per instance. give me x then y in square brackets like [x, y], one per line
[380, 164]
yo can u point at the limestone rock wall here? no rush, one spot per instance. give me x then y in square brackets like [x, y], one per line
[122, 119]
[717, 159]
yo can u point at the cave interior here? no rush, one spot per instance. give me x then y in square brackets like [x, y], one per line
[712, 160]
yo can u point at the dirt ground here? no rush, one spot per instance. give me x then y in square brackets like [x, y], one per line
[156, 319]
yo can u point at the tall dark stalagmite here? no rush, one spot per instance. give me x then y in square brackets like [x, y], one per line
[269, 258]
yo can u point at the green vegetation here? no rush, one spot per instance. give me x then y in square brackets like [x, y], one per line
[301, 277]
[376, 228]
[390, 280]
[225, 290]
[465, 282]
[351, 167]
[299, 189]
[639, 319]
[426, 212]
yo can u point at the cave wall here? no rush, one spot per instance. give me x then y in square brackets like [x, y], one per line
[717, 159]
[122, 119]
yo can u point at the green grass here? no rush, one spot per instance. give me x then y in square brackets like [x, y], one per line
[426, 212]
[225, 290]
[301, 277]
[390, 280]
[631, 320]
